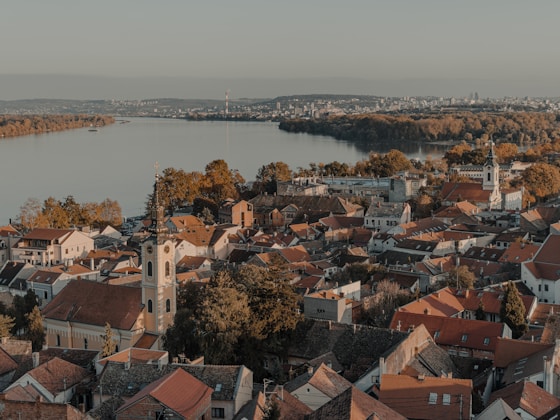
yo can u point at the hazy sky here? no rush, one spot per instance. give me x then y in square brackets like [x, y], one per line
[260, 48]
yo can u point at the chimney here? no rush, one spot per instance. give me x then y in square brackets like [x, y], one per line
[310, 370]
[35, 358]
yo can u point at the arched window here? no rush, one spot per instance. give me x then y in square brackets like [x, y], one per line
[58, 340]
[167, 269]
[168, 305]
[150, 269]
[85, 344]
[150, 306]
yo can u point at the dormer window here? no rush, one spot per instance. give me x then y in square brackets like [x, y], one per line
[464, 338]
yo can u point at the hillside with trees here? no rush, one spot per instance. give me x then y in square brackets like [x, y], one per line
[20, 125]
[517, 127]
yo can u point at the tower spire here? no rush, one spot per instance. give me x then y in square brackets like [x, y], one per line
[157, 225]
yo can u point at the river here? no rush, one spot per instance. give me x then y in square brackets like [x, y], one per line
[118, 161]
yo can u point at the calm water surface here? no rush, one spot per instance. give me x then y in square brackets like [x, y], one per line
[117, 161]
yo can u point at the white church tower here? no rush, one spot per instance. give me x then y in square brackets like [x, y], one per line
[491, 178]
[158, 272]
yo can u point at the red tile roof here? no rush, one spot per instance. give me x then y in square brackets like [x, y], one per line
[491, 300]
[45, 234]
[508, 350]
[458, 332]
[8, 230]
[56, 375]
[134, 355]
[549, 251]
[454, 191]
[94, 303]
[411, 396]
[527, 396]
[518, 252]
[178, 390]
[441, 303]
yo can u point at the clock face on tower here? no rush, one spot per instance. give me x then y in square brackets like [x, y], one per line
[166, 249]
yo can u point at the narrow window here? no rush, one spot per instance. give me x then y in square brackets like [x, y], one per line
[432, 398]
[149, 268]
[168, 305]
[85, 344]
[167, 269]
[150, 306]
[58, 340]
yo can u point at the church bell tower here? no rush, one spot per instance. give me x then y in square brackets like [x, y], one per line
[158, 271]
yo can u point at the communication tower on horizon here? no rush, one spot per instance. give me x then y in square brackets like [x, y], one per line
[227, 103]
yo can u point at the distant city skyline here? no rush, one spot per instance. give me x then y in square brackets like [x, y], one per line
[136, 50]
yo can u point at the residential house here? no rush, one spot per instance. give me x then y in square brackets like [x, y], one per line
[356, 347]
[331, 306]
[306, 186]
[267, 208]
[8, 366]
[189, 263]
[396, 359]
[202, 241]
[542, 273]
[462, 337]
[459, 212]
[304, 231]
[537, 367]
[289, 406]
[107, 261]
[12, 270]
[176, 224]
[55, 381]
[427, 397]
[381, 216]
[317, 387]
[8, 237]
[406, 187]
[490, 301]
[239, 213]
[177, 394]
[354, 404]
[46, 284]
[418, 227]
[52, 246]
[232, 385]
[498, 410]
[339, 228]
[537, 221]
[506, 239]
[133, 355]
[404, 278]
[528, 400]
[424, 246]
[37, 409]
